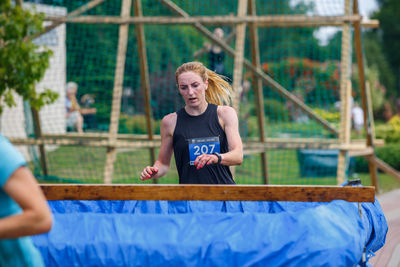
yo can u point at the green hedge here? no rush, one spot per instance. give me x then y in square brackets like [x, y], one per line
[389, 153]
[136, 124]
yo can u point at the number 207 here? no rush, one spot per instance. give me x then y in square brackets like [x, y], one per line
[203, 149]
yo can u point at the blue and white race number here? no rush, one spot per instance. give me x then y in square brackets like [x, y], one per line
[200, 146]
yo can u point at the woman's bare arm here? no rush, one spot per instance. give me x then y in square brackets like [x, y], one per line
[36, 217]
[230, 124]
[161, 166]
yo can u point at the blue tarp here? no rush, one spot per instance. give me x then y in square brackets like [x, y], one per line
[211, 233]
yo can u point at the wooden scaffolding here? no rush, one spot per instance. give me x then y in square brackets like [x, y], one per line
[246, 17]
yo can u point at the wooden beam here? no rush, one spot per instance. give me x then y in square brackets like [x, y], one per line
[238, 62]
[257, 71]
[280, 21]
[258, 88]
[76, 12]
[138, 137]
[373, 23]
[144, 75]
[117, 92]
[365, 98]
[239, 56]
[345, 96]
[208, 192]
[364, 152]
[269, 143]
[385, 167]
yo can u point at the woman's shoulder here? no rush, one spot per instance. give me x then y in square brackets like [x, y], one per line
[225, 110]
[226, 115]
[169, 120]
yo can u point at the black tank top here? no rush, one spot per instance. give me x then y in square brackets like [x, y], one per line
[196, 135]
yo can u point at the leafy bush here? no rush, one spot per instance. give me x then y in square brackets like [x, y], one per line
[137, 124]
[389, 153]
[274, 110]
[389, 132]
[331, 116]
[249, 127]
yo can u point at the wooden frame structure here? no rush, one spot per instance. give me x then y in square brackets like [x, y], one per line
[208, 192]
[246, 17]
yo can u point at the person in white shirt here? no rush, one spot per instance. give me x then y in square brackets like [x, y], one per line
[357, 115]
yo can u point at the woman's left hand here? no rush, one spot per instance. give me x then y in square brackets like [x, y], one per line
[205, 159]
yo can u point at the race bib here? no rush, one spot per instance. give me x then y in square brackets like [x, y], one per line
[204, 145]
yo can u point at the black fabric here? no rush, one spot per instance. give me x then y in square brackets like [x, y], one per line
[204, 125]
[216, 61]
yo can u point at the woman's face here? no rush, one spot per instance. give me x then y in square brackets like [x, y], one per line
[192, 88]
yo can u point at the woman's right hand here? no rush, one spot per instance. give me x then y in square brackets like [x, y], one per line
[148, 173]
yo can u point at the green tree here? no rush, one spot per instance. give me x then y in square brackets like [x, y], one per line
[389, 36]
[22, 63]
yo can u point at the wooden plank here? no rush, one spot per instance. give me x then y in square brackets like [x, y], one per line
[259, 72]
[76, 12]
[365, 98]
[281, 21]
[238, 56]
[144, 75]
[385, 167]
[138, 137]
[269, 143]
[364, 152]
[238, 62]
[371, 130]
[117, 92]
[208, 192]
[258, 88]
[345, 96]
[373, 23]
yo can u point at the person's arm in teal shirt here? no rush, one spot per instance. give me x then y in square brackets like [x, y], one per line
[36, 217]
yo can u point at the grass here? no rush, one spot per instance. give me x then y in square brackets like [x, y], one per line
[386, 182]
[86, 165]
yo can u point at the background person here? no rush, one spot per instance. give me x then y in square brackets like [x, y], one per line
[74, 113]
[203, 135]
[88, 112]
[357, 115]
[23, 211]
[216, 56]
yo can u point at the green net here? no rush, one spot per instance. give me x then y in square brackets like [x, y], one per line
[304, 60]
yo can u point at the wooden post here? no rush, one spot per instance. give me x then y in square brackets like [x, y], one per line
[238, 61]
[365, 99]
[258, 88]
[239, 55]
[145, 81]
[370, 114]
[38, 134]
[117, 93]
[345, 96]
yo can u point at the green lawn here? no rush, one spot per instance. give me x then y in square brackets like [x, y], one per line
[86, 165]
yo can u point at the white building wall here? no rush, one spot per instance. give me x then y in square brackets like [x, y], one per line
[52, 117]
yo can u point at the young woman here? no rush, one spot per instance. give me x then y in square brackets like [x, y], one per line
[203, 135]
[23, 210]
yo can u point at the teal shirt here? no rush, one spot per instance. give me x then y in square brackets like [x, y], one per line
[20, 251]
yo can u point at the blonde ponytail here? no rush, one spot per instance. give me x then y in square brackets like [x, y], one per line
[219, 91]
